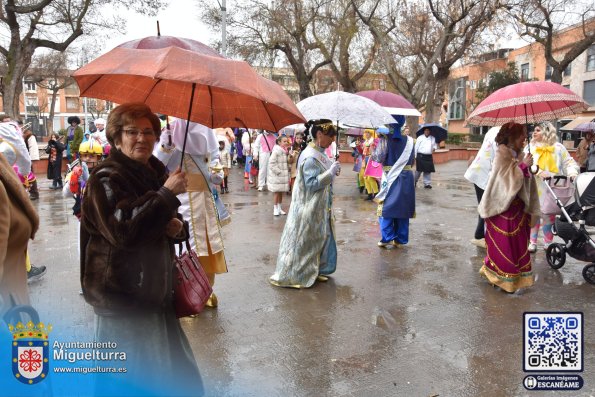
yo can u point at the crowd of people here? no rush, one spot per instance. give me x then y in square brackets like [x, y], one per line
[137, 194]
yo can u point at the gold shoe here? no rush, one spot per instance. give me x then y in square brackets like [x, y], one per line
[395, 244]
[322, 278]
[212, 301]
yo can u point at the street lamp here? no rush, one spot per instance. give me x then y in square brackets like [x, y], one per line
[223, 8]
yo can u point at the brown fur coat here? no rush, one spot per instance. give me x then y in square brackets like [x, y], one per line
[505, 183]
[126, 257]
[18, 224]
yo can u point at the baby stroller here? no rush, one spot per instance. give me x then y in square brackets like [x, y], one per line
[577, 239]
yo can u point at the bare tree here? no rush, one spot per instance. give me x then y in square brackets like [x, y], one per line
[542, 20]
[50, 71]
[345, 43]
[429, 39]
[52, 24]
[259, 28]
[98, 108]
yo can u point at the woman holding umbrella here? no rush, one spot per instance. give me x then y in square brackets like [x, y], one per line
[129, 225]
[308, 251]
[508, 205]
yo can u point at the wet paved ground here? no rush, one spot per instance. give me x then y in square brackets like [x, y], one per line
[417, 321]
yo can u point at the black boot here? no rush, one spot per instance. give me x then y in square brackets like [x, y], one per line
[33, 191]
[361, 189]
[54, 185]
[370, 197]
[225, 184]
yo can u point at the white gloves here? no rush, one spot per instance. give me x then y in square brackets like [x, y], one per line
[335, 169]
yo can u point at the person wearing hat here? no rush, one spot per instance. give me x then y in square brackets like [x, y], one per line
[201, 205]
[308, 250]
[396, 198]
[100, 136]
[14, 163]
[74, 137]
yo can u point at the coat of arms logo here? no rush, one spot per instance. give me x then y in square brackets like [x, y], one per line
[30, 357]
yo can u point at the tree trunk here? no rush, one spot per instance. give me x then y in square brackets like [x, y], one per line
[436, 96]
[430, 109]
[413, 124]
[556, 76]
[17, 64]
[304, 84]
[50, 122]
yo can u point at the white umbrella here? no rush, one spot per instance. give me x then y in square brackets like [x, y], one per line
[345, 108]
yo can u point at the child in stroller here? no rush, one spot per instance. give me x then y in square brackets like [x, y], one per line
[577, 239]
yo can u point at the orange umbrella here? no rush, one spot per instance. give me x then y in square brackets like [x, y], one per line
[189, 82]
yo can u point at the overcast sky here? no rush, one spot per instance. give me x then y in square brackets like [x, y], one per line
[180, 19]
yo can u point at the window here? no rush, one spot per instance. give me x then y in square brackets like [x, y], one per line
[72, 89]
[30, 86]
[456, 99]
[568, 70]
[72, 104]
[548, 72]
[473, 84]
[589, 92]
[32, 104]
[525, 72]
[591, 58]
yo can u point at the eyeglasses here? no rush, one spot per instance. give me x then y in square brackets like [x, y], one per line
[134, 133]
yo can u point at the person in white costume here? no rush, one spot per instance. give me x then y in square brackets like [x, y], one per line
[199, 204]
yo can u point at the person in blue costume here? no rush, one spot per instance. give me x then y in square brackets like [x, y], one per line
[308, 251]
[396, 198]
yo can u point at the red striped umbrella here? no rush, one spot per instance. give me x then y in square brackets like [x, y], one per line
[528, 102]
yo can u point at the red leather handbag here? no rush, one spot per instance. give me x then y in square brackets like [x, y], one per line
[191, 285]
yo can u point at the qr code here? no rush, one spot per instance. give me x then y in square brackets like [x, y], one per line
[553, 342]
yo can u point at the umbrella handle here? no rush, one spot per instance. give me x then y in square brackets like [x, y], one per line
[534, 169]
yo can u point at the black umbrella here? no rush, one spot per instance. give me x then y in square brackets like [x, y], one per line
[438, 132]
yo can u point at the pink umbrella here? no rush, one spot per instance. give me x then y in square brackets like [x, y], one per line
[392, 103]
[528, 102]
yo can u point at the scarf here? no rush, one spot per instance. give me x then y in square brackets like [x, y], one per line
[547, 159]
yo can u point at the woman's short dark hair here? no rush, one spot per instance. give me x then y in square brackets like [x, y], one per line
[126, 114]
[508, 132]
[324, 126]
[74, 119]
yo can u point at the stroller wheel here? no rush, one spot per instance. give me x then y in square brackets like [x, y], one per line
[589, 273]
[556, 255]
